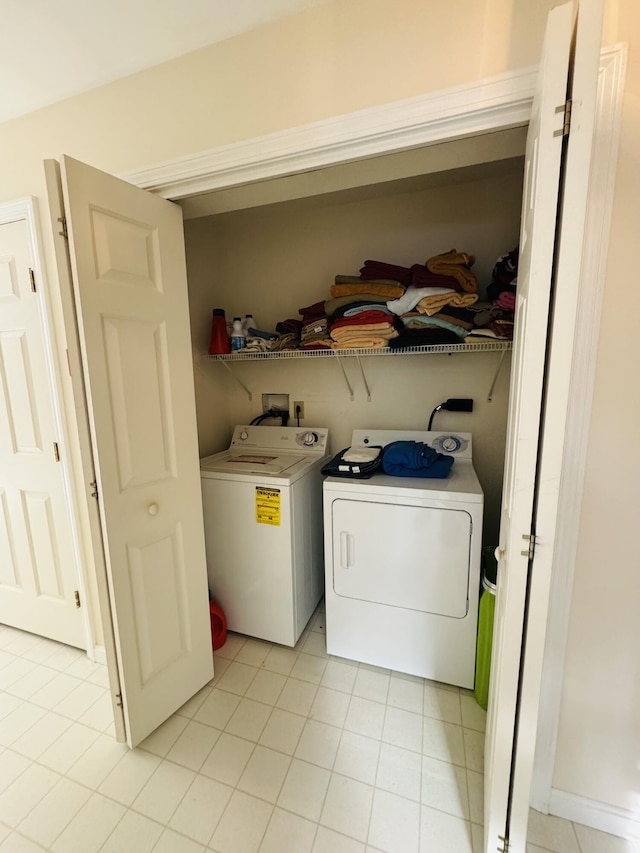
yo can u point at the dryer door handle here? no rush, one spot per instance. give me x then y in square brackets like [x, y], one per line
[347, 550]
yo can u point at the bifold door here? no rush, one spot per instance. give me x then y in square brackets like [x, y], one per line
[127, 259]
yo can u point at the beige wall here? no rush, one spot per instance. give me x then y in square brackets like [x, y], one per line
[273, 260]
[598, 754]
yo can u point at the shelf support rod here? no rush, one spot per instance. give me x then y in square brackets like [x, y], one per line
[346, 378]
[495, 376]
[224, 363]
[364, 378]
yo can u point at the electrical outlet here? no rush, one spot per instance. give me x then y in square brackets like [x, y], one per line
[298, 409]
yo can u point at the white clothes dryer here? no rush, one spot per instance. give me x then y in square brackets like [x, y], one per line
[262, 502]
[402, 564]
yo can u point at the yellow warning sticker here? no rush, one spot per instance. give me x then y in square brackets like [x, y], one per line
[268, 506]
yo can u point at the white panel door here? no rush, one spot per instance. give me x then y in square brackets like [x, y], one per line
[535, 271]
[38, 564]
[128, 264]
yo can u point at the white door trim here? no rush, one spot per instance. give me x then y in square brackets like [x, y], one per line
[599, 209]
[25, 209]
[495, 103]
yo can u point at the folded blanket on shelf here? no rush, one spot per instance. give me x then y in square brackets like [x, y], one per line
[452, 319]
[501, 330]
[312, 311]
[421, 321]
[332, 306]
[321, 343]
[431, 336]
[432, 304]
[255, 344]
[413, 295]
[506, 300]
[415, 459]
[458, 265]
[363, 318]
[261, 333]
[286, 327]
[361, 343]
[356, 279]
[378, 330]
[360, 309]
[380, 269]
[421, 276]
[389, 291]
[286, 341]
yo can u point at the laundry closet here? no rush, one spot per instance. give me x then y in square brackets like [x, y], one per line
[276, 247]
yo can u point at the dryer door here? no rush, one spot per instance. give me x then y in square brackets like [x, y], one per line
[413, 557]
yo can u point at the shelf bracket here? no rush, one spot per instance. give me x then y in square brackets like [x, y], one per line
[495, 376]
[364, 378]
[346, 378]
[224, 363]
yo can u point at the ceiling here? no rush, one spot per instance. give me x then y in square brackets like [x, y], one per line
[51, 51]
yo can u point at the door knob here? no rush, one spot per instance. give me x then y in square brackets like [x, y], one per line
[153, 509]
[499, 553]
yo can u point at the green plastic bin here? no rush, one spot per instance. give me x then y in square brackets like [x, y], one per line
[486, 612]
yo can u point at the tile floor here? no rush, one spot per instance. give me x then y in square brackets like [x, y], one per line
[285, 751]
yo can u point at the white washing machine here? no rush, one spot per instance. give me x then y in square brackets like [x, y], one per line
[262, 501]
[402, 564]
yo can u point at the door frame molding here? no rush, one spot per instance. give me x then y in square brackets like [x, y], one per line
[492, 104]
[25, 209]
[607, 127]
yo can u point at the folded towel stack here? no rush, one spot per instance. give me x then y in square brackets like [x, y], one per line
[456, 265]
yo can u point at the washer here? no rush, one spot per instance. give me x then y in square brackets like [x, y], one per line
[403, 564]
[262, 501]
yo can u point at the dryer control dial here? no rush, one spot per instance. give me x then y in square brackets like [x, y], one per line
[450, 444]
[244, 435]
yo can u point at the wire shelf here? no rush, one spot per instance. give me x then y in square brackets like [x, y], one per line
[488, 346]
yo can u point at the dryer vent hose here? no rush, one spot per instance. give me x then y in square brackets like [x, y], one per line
[272, 413]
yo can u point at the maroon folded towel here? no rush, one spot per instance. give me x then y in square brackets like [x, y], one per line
[422, 277]
[312, 311]
[363, 318]
[380, 269]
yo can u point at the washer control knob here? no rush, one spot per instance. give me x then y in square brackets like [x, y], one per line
[450, 443]
[309, 439]
[244, 435]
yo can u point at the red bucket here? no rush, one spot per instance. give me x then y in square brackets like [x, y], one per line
[218, 626]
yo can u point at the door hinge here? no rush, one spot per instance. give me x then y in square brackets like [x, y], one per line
[531, 539]
[56, 451]
[119, 700]
[76, 595]
[505, 844]
[32, 280]
[566, 121]
[64, 233]
[94, 487]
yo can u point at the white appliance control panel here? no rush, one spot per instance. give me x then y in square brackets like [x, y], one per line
[283, 439]
[456, 444]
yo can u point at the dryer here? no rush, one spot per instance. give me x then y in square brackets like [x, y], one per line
[262, 503]
[402, 564]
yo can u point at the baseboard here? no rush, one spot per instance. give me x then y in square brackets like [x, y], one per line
[99, 655]
[602, 816]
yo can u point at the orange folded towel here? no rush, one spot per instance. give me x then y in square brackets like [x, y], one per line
[388, 291]
[455, 264]
[432, 304]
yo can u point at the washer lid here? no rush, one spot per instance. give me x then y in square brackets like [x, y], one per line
[251, 462]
